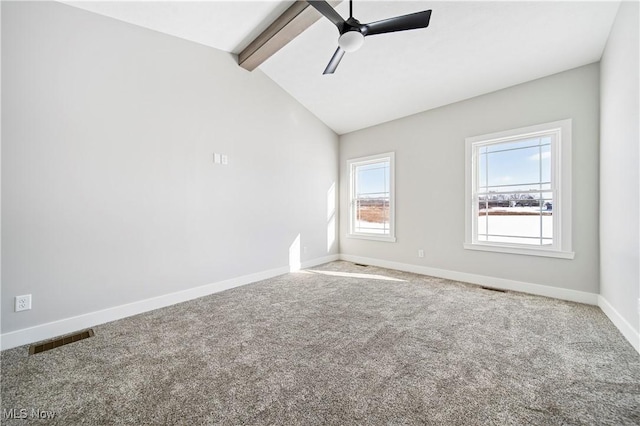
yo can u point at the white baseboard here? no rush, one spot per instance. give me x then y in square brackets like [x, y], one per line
[501, 283]
[621, 324]
[72, 324]
[69, 325]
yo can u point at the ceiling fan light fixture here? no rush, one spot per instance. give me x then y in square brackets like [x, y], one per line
[351, 41]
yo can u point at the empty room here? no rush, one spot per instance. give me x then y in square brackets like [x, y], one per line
[320, 212]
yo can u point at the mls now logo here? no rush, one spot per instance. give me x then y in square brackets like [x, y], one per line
[23, 413]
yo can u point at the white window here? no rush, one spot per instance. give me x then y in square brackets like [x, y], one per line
[371, 192]
[518, 191]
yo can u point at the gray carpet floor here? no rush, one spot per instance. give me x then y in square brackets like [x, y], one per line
[339, 344]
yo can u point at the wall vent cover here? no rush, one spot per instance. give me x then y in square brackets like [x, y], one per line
[60, 341]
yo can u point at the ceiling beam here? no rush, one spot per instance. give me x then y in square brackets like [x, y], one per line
[297, 18]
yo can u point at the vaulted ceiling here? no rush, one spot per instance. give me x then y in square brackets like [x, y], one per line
[469, 48]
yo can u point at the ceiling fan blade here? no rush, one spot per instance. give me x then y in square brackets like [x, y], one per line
[399, 23]
[335, 60]
[329, 12]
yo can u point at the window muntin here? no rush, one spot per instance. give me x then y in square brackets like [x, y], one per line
[514, 187]
[371, 192]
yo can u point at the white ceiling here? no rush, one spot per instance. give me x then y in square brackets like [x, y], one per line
[469, 48]
[225, 25]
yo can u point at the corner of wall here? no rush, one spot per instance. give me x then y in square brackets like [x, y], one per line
[632, 336]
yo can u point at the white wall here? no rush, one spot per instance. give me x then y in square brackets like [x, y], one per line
[430, 187]
[109, 192]
[619, 170]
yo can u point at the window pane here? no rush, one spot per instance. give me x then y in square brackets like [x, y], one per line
[482, 227]
[482, 172]
[546, 203]
[372, 216]
[546, 163]
[523, 225]
[511, 206]
[517, 166]
[373, 179]
[372, 198]
[514, 224]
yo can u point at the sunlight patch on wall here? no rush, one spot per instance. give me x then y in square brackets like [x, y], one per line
[331, 217]
[294, 255]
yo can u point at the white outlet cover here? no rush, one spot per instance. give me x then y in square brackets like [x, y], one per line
[23, 303]
[217, 158]
[225, 159]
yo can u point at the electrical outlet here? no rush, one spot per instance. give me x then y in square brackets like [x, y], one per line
[420, 253]
[225, 159]
[23, 303]
[217, 158]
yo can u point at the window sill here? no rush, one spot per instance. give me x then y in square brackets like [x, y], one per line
[520, 250]
[373, 237]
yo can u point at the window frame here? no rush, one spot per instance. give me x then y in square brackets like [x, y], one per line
[352, 164]
[560, 186]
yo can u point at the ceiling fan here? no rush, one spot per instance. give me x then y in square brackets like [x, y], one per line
[352, 32]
